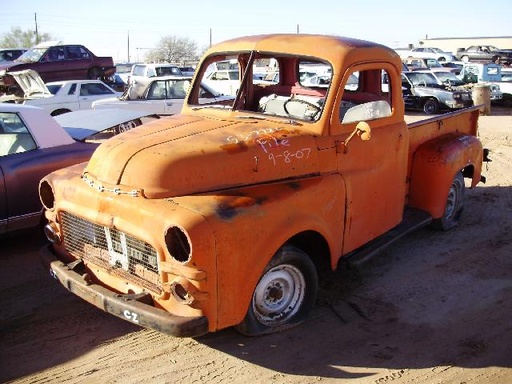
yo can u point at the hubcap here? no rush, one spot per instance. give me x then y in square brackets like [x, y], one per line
[279, 295]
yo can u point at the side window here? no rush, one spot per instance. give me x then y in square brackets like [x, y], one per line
[73, 53]
[72, 89]
[54, 54]
[157, 91]
[83, 53]
[14, 135]
[366, 96]
[94, 89]
[177, 89]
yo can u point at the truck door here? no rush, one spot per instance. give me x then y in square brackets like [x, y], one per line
[373, 165]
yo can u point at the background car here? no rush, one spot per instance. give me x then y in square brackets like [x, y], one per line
[142, 71]
[454, 66]
[10, 54]
[427, 52]
[418, 63]
[421, 91]
[59, 96]
[187, 71]
[161, 95]
[484, 53]
[55, 61]
[33, 144]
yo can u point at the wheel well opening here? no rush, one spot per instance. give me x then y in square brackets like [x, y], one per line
[468, 171]
[316, 247]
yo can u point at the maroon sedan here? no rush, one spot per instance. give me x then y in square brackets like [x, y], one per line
[55, 62]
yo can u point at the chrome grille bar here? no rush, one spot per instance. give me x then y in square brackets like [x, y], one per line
[117, 252]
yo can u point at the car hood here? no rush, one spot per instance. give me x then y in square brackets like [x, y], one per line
[30, 83]
[83, 124]
[182, 155]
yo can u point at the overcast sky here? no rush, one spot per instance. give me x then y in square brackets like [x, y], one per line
[106, 27]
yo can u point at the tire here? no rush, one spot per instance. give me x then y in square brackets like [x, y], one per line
[454, 205]
[431, 106]
[123, 127]
[464, 59]
[94, 73]
[284, 295]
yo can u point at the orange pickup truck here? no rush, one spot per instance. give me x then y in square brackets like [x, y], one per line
[225, 214]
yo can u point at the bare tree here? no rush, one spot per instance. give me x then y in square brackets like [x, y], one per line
[172, 49]
[17, 38]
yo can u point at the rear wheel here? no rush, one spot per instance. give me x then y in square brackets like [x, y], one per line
[431, 106]
[464, 59]
[454, 205]
[94, 73]
[284, 295]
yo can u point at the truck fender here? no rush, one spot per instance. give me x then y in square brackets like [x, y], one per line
[435, 164]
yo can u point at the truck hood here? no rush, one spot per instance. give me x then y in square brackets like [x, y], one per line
[182, 155]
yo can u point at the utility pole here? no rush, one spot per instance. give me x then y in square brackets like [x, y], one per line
[37, 33]
[128, 60]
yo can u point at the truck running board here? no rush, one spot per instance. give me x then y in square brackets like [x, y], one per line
[413, 220]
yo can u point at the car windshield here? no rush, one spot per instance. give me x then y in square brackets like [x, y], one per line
[32, 55]
[448, 77]
[421, 78]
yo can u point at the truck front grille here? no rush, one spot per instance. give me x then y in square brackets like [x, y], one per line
[115, 251]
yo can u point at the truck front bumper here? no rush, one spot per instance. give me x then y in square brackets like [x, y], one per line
[137, 309]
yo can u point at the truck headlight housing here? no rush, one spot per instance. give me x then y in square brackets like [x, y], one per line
[46, 195]
[178, 244]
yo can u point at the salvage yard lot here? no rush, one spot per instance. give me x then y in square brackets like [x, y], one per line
[435, 307]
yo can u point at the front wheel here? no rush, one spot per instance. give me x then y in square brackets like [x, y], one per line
[284, 295]
[454, 205]
[431, 106]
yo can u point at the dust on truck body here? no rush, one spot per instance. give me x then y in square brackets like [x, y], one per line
[224, 215]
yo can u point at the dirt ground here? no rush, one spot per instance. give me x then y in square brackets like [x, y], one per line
[434, 308]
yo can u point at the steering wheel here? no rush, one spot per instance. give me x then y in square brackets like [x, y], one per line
[316, 108]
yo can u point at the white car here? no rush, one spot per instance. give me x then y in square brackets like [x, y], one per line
[59, 96]
[161, 95]
[143, 71]
[427, 52]
[226, 81]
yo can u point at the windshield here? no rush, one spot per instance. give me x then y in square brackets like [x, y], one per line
[32, 55]
[421, 78]
[445, 77]
[265, 83]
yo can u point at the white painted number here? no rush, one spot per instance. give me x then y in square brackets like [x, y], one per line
[132, 316]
